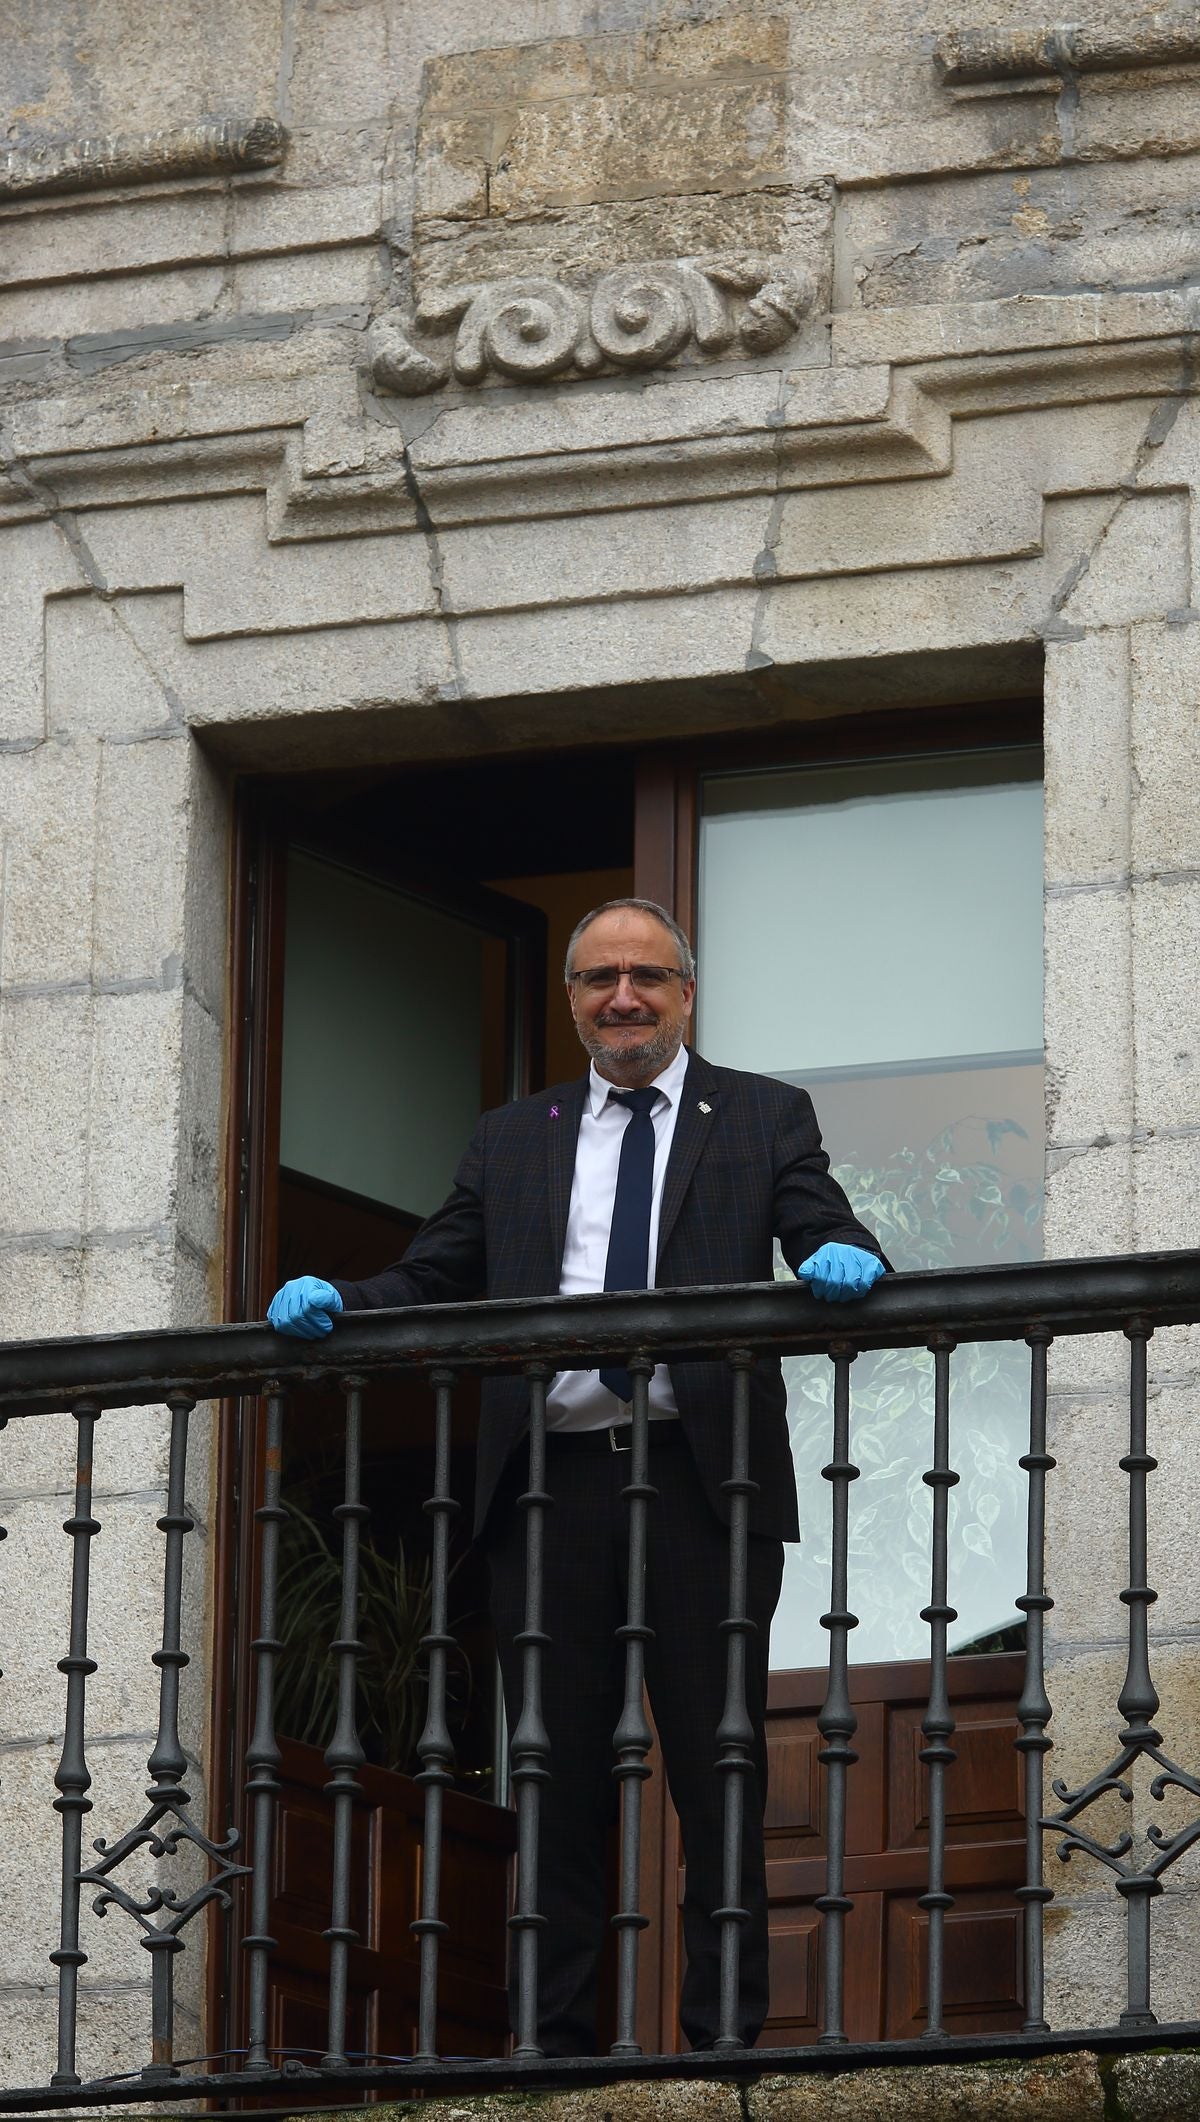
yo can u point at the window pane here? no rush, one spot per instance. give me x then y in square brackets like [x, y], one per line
[381, 1037]
[874, 933]
[871, 914]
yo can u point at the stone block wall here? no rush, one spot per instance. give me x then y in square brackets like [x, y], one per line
[381, 383]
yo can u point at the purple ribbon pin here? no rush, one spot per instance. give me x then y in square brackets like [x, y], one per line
[554, 1112]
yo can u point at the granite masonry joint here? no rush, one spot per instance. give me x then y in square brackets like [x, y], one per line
[1121, 881]
[1117, 1646]
[1137, 1138]
[50, 1240]
[155, 733]
[90, 352]
[170, 978]
[116, 1987]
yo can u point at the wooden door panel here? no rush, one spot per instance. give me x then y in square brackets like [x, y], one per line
[794, 1823]
[794, 2015]
[886, 1862]
[796, 2010]
[304, 1865]
[983, 1784]
[984, 1968]
[477, 1845]
[299, 2015]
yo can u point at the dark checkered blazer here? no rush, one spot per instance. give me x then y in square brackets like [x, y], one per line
[746, 1166]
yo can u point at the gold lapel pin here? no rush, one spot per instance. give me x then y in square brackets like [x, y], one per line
[704, 1106]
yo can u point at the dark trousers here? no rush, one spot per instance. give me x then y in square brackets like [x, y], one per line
[687, 1589]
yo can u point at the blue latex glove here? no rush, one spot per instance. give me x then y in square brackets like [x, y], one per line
[840, 1273]
[303, 1308]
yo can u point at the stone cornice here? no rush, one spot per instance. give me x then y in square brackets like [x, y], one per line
[694, 440]
[225, 144]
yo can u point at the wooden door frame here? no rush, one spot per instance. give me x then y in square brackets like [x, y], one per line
[666, 850]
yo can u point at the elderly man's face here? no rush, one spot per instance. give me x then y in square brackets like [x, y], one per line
[631, 1028]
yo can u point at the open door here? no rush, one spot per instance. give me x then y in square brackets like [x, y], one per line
[403, 1005]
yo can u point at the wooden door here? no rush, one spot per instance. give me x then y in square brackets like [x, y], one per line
[477, 1845]
[886, 1856]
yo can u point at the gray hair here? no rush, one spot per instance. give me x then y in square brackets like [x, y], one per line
[687, 964]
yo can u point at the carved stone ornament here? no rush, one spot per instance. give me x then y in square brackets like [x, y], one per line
[637, 316]
[141, 158]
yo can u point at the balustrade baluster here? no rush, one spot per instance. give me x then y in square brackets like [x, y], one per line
[344, 1755]
[938, 1721]
[167, 1764]
[837, 1722]
[71, 1776]
[263, 1757]
[1033, 1709]
[735, 1734]
[435, 1746]
[632, 1739]
[530, 1747]
[1138, 1700]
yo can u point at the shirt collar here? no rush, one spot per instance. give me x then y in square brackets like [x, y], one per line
[670, 1083]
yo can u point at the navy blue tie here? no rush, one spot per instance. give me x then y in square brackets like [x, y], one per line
[627, 1266]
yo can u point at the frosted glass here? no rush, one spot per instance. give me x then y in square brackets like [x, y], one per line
[381, 1037]
[871, 914]
[875, 933]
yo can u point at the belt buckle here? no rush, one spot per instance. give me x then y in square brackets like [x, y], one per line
[612, 1438]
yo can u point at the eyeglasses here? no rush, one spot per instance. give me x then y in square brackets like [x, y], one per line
[646, 979]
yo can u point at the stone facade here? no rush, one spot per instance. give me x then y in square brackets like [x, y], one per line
[369, 396]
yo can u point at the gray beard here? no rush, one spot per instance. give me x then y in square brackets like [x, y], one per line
[653, 1053]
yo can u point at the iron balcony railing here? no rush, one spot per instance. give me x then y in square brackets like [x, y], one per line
[1036, 1303]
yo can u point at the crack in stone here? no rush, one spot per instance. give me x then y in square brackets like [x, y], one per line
[765, 569]
[39, 491]
[1159, 425]
[288, 54]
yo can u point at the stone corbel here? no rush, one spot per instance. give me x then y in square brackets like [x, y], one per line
[530, 329]
[225, 144]
[968, 58]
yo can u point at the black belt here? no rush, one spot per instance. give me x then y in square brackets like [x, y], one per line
[617, 1436]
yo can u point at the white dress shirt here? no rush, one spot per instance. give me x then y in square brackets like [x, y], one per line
[576, 1399]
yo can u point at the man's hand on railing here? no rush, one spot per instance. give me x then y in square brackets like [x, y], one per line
[840, 1273]
[304, 1308]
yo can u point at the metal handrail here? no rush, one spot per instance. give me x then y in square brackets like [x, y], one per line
[1035, 1302]
[776, 1318]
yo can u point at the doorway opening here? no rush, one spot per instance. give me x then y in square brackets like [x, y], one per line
[401, 937]
[407, 932]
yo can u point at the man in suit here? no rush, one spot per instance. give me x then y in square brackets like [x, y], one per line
[653, 1169]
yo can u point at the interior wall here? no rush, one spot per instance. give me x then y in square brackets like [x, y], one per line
[564, 898]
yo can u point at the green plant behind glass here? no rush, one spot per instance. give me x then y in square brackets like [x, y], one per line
[929, 1207]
